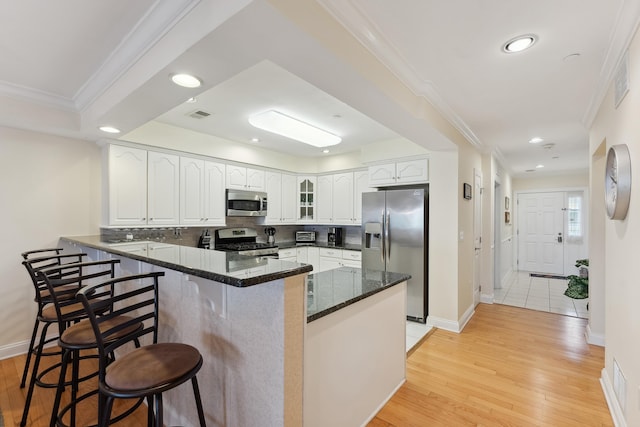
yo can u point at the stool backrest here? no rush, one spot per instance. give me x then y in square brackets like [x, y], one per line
[48, 262]
[135, 297]
[63, 282]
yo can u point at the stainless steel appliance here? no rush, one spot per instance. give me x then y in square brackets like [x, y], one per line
[246, 203]
[334, 236]
[305, 236]
[243, 241]
[395, 238]
[271, 235]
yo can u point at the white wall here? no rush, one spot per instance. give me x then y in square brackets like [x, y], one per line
[621, 245]
[50, 187]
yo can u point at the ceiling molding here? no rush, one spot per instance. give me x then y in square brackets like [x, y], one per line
[157, 22]
[624, 30]
[355, 21]
[34, 95]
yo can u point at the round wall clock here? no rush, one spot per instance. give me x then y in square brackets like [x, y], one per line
[617, 181]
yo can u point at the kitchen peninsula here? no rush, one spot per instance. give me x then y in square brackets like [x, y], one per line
[248, 317]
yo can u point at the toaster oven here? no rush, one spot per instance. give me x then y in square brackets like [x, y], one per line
[305, 236]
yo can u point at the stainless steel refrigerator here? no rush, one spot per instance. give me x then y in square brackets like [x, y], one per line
[395, 238]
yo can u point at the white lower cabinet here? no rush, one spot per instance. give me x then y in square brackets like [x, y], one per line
[289, 254]
[335, 258]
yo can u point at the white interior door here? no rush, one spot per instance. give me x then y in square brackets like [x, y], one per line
[477, 234]
[540, 232]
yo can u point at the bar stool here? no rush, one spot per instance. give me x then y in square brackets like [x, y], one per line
[70, 277]
[144, 372]
[42, 258]
[79, 336]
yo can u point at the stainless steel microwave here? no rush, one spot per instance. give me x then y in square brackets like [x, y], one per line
[246, 203]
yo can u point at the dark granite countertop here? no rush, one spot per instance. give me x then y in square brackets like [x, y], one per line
[332, 290]
[293, 244]
[224, 267]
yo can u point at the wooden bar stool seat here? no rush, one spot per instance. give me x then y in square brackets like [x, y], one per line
[144, 372]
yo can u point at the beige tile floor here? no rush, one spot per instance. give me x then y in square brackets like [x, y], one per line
[537, 293]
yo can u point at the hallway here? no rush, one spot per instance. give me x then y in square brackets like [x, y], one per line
[539, 293]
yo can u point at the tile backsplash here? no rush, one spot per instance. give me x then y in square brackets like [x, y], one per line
[188, 236]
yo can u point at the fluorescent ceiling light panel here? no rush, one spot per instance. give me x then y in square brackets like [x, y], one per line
[278, 123]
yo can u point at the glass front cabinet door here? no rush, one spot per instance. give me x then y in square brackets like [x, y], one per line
[306, 203]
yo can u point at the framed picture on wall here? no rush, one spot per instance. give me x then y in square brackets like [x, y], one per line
[506, 203]
[507, 217]
[466, 191]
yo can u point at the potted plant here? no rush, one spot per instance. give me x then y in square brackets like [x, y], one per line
[578, 287]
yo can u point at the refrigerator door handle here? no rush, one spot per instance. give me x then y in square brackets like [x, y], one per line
[386, 233]
[383, 239]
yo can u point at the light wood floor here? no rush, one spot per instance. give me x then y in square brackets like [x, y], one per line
[509, 367]
[12, 397]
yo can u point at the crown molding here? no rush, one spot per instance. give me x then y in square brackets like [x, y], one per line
[356, 22]
[157, 22]
[24, 93]
[624, 30]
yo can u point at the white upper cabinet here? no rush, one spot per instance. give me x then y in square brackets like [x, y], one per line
[281, 194]
[143, 187]
[163, 189]
[324, 199]
[399, 173]
[343, 198]
[202, 192]
[127, 186]
[360, 185]
[305, 196]
[241, 178]
[339, 198]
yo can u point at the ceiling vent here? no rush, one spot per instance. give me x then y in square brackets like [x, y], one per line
[198, 114]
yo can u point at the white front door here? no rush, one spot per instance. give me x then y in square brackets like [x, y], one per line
[540, 232]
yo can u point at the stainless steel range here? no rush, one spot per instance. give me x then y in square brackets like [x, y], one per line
[243, 241]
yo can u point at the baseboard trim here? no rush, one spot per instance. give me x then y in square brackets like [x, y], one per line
[375, 412]
[14, 349]
[21, 347]
[451, 325]
[595, 339]
[614, 408]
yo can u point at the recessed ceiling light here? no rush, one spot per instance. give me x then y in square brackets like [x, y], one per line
[186, 80]
[520, 43]
[192, 100]
[255, 139]
[535, 140]
[325, 151]
[539, 166]
[109, 129]
[275, 122]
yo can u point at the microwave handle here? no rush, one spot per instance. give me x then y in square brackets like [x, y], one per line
[263, 204]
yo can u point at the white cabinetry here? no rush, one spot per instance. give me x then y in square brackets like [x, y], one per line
[127, 169]
[339, 198]
[289, 254]
[399, 173]
[163, 189]
[335, 258]
[143, 187]
[306, 199]
[242, 178]
[281, 193]
[360, 185]
[202, 196]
